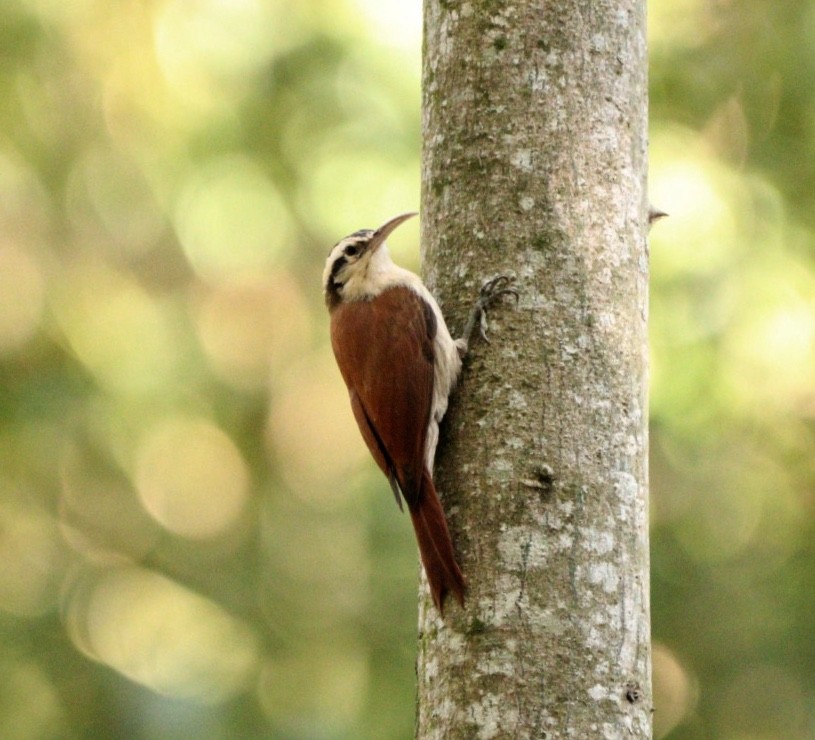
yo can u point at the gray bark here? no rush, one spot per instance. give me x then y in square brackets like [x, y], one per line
[534, 164]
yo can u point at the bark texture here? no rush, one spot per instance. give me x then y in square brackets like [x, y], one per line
[534, 164]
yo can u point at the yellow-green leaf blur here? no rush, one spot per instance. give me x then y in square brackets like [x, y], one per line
[193, 539]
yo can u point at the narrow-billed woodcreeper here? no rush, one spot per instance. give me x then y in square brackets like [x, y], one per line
[400, 364]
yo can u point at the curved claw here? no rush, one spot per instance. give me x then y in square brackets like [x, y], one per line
[490, 292]
[493, 289]
[498, 283]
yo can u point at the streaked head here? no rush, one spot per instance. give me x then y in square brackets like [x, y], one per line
[350, 257]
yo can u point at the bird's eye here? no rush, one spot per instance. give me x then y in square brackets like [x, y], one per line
[351, 250]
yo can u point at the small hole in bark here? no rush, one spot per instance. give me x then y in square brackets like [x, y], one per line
[633, 693]
[542, 480]
[545, 475]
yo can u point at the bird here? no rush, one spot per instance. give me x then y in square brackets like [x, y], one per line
[400, 364]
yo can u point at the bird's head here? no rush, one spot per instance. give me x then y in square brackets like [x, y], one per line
[351, 258]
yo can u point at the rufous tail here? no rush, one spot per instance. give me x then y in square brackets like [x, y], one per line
[435, 546]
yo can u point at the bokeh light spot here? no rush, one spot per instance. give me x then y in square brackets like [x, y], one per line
[675, 691]
[774, 337]
[251, 324]
[678, 24]
[231, 219]
[339, 173]
[117, 329]
[699, 196]
[192, 478]
[395, 22]
[204, 46]
[160, 634]
[312, 429]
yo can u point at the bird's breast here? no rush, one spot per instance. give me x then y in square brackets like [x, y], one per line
[383, 329]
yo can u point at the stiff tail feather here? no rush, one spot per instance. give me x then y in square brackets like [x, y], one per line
[435, 546]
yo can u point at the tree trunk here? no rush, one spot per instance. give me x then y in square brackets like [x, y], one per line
[534, 164]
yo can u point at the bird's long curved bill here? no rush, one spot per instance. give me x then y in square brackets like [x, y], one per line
[384, 231]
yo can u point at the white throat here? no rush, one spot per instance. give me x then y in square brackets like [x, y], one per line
[376, 274]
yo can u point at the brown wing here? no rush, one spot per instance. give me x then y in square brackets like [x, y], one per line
[384, 349]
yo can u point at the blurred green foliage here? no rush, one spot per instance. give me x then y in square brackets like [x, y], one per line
[733, 354]
[192, 540]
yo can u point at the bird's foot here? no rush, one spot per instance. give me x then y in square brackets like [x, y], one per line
[490, 292]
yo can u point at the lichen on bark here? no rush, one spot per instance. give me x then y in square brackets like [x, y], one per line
[534, 128]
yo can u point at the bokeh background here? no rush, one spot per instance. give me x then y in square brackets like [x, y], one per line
[193, 542]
